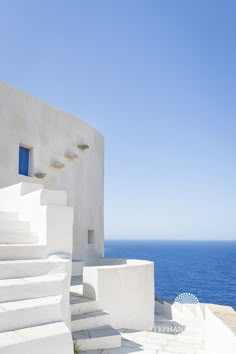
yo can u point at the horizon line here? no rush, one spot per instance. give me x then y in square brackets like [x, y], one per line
[157, 239]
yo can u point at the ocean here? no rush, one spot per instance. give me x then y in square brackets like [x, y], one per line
[206, 269]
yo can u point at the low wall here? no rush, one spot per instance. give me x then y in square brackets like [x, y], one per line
[125, 289]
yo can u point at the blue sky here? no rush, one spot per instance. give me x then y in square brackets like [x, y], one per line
[158, 79]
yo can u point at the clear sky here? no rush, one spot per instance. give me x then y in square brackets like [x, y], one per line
[158, 79]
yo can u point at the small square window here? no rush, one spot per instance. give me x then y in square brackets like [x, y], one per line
[91, 237]
[24, 160]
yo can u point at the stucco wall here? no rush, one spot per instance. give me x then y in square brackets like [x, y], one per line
[51, 133]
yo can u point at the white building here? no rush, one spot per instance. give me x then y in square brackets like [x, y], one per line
[51, 212]
[53, 136]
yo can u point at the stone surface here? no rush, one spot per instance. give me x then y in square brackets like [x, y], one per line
[98, 338]
[89, 320]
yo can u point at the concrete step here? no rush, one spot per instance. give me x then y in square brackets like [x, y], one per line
[22, 188]
[97, 338]
[89, 320]
[33, 267]
[182, 347]
[189, 311]
[192, 308]
[163, 308]
[165, 352]
[47, 197]
[18, 237]
[197, 338]
[152, 351]
[28, 313]
[32, 287]
[178, 315]
[53, 338]
[75, 281]
[80, 304]
[19, 251]
[159, 317]
[14, 225]
[178, 352]
[8, 216]
[196, 310]
[181, 314]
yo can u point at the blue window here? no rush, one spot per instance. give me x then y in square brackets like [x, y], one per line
[24, 156]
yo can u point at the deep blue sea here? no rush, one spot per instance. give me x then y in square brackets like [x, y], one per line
[206, 269]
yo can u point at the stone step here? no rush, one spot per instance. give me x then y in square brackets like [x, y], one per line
[17, 237]
[197, 338]
[89, 320]
[32, 287]
[97, 338]
[178, 352]
[76, 281]
[32, 267]
[19, 251]
[8, 216]
[47, 197]
[53, 338]
[14, 225]
[181, 314]
[80, 304]
[28, 313]
[188, 312]
[196, 310]
[163, 308]
[182, 347]
[167, 352]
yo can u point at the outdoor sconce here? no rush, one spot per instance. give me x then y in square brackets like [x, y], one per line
[71, 156]
[57, 165]
[40, 174]
[83, 146]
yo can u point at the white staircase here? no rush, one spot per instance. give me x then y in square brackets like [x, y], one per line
[190, 321]
[31, 287]
[89, 323]
[37, 340]
[200, 331]
[33, 283]
[169, 335]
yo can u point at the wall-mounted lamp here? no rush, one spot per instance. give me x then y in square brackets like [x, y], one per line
[40, 174]
[83, 146]
[57, 165]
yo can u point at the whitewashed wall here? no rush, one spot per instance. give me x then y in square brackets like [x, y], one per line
[51, 133]
[125, 290]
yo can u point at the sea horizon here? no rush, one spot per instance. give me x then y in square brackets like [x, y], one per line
[164, 240]
[205, 268]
